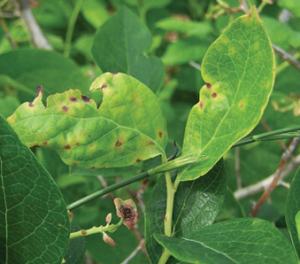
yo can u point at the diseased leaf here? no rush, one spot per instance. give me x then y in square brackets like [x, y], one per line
[120, 45]
[34, 224]
[126, 128]
[245, 240]
[196, 204]
[238, 69]
[292, 209]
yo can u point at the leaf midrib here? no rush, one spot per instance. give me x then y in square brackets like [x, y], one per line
[101, 117]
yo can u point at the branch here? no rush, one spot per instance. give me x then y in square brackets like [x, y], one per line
[38, 38]
[237, 168]
[285, 156]
[263, 185]
[107, 190]
[244, 6]
[286, 56]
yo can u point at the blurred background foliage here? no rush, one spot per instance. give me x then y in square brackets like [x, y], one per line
[67, 44]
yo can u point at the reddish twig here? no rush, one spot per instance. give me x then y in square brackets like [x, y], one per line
[285, 156]
[104, 184]
[244, 6]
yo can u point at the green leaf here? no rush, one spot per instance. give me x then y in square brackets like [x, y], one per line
[281, 34]
[196, 204]
[76, 250]
[246, 240]
[120, 45]
[95, 18]
[34, 224]
[190, 28]
[54, 72]
[127, 127]
[148, 4]
[292, 210]
[238, 69]
[231, 208]
[184, 50]
[291, 5]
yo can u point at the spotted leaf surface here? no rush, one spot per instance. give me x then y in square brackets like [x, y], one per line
[34, 223]
[238, 69]
[127, 127]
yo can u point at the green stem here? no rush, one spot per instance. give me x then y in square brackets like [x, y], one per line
[272, 135]
[170, 201]
[164, 257]
[262, 5]
[107, 190]
[169, 211]
[95, 230]
[71, 26]
[261, 137]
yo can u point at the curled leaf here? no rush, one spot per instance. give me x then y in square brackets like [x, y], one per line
[127, 211]
[127, 127]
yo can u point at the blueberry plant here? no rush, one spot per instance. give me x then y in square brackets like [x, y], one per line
[165, 157]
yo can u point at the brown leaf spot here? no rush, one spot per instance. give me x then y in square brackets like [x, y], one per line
[77, 143]
[73, 99]
[89, 136]
[83, 232]
[160, 134]
[151, 143]
[208, 86]
[45, 143]
[262, 84]
[230, 51]
[118, 143]
[201, 105]
[39, 90]
[241, 106]
[85, 99]
[214, 95]
[127, 212]
[67, 147]
[31, 104]
[103, 86]
[65, 108]
[250, 15]
[75, 164]
[93, 167]
[137, 160]
[113, 73]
